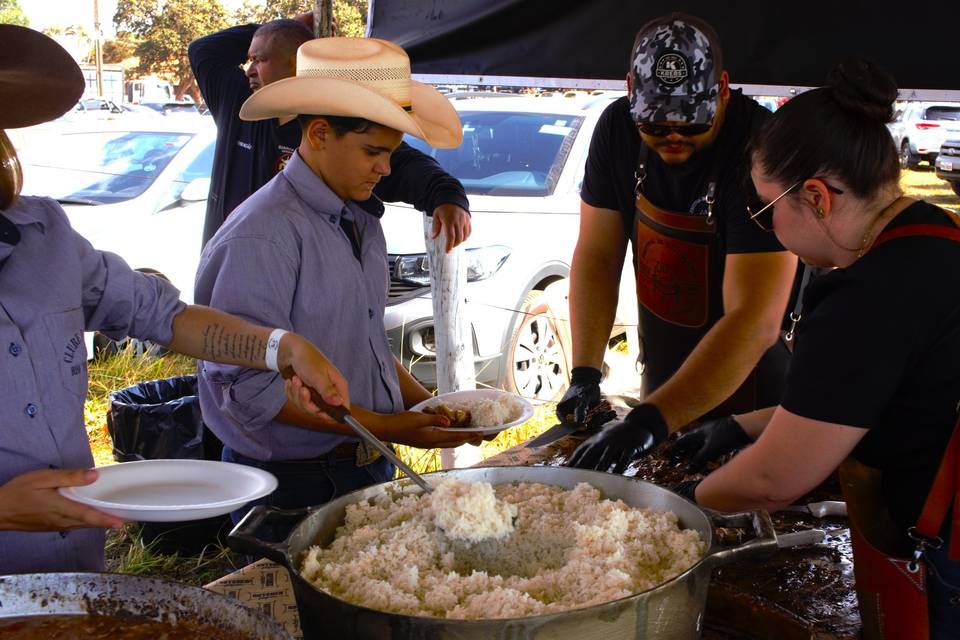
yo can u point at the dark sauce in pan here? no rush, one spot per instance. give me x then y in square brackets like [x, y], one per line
[96, 627]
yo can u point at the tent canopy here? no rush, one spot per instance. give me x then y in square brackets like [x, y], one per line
[765, 43]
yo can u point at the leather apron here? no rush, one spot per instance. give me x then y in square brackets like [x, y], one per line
[678, 261]
[891, 577]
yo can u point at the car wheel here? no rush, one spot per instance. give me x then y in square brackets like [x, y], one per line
[907, 159]
[105, 347]
[537, 364]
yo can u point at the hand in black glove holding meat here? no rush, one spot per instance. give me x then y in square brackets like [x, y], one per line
[621, 442]
[583, 395]
[708, 441]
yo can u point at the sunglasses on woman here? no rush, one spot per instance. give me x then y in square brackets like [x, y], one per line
[762, 213]
[664, 130]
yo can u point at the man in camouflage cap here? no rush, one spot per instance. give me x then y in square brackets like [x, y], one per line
[666, 172]
[676, 70]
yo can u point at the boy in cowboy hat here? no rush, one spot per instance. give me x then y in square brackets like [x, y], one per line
[250, 154]
[53, 287]
[302, 253]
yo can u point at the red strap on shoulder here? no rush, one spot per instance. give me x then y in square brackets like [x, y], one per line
[935, 230]
[946, 486]
[943, 493]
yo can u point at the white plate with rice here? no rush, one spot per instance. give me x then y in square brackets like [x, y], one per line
[491, 410]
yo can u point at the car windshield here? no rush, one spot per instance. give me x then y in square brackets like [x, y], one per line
[943, 113]
[505, 153]
[107, 167]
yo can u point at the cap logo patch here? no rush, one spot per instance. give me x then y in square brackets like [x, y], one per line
[671, 69]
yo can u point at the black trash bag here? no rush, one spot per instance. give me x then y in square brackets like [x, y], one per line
[161, 419]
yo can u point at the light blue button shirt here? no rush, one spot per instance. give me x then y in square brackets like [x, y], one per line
[53, 286]
[282, 260]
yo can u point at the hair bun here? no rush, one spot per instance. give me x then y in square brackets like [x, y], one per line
[861, 86]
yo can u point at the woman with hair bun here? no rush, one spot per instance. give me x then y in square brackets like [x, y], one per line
[874, 383]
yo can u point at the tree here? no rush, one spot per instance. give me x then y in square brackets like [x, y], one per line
[11, 13]
[163, 29]
[349, 15]
[118, 49]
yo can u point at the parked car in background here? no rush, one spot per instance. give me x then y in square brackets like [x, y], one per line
[521, 163]
[172, 108]
[98, 105]
[919, 128]
[134, 187]
[948, 164]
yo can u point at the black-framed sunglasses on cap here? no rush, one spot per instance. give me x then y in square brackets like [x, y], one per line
[663, 130]
[762, 214]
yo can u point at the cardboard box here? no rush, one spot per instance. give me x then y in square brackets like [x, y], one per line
[263, 586]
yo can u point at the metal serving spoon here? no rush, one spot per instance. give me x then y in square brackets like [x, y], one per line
[342, 415]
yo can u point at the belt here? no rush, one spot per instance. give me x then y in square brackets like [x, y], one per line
[342, 450]
[360, 452]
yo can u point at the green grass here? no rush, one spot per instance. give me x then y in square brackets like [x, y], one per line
[119, 372]
[127, 553]
[924, 183]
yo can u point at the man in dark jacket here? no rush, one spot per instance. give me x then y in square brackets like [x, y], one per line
[249, 154]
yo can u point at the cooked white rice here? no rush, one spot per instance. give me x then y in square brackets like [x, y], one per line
[470, 511]
[570, 549]
[488, 412]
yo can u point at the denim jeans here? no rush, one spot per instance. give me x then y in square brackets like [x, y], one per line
[943, 589]
[308, 483]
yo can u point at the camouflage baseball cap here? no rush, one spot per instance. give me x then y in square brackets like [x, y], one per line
[675, 69]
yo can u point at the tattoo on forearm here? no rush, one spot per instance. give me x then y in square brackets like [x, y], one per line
[220, 345]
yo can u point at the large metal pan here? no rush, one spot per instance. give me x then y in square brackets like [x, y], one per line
[674, 610]
[114, 594]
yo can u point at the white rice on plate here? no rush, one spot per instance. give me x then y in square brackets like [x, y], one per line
[570, 549]
[487, 412]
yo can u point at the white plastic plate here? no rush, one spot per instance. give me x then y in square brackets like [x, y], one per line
[172, 490]
[473, 394]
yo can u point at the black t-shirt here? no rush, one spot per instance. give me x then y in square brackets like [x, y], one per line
[609, 180]
[879, 348]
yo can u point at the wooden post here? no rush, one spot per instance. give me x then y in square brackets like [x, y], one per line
[451, 331]
[323, 19]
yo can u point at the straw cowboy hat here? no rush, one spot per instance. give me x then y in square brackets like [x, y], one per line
[39, 81]
[363, 78]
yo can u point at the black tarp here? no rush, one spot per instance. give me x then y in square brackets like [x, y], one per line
[765, 43]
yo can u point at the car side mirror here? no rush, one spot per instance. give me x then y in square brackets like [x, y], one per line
[196, 190]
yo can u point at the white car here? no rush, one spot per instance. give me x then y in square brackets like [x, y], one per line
[919, 128]
[521, 163]
[134, 187]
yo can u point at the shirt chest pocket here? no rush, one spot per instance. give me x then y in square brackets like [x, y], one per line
[65, 332]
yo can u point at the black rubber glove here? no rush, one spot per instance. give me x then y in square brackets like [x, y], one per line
[583, 395]
[621, 442]
[688, 490]
[708, 441]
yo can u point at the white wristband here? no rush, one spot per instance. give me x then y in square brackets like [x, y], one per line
[273, 345]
